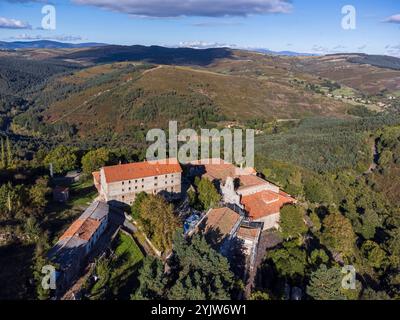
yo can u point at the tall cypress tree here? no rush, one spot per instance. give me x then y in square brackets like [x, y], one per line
[9, 153]
[2, 155]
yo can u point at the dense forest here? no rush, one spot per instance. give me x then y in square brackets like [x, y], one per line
[344, 171]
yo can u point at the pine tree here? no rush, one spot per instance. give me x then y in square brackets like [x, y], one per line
[203, 273]
[2, 155]
[152, 280]
[325, 284]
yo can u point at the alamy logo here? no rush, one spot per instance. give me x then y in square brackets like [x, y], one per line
[349, 21]
[187, 145]
[49, 20]
[349, 280]
[49, 278]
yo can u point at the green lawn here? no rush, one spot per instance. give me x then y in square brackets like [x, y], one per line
[128, 249]
[60, 215]
[82, 193]
[121, 279]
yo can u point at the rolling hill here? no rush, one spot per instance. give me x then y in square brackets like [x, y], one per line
[123, 89]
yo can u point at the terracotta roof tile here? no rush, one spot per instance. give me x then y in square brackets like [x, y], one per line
[248, 233]
[88, 228]
[265, 203]
[73, 229]
[138, 170]
[86, 225]
[251, 181]
[222, 220]
[218, 169]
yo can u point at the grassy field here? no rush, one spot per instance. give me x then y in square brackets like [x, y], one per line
[127, 248]
[123, 266]
[82, 193]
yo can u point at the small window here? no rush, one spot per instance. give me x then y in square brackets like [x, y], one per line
[123, 182]
[156, 178]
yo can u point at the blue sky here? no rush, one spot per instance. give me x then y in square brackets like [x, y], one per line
[296, 25]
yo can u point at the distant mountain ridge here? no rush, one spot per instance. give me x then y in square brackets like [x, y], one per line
[46, 44]
[283, 53]
[151, 54]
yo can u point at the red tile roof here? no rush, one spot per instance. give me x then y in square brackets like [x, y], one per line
[139, 170]
[81, 228]
[222, 220]
[265, 203]
[248, 233]
[218, 169]
[251, 181]
[88, 228]
[73, 229]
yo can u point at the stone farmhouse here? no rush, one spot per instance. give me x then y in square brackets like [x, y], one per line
[77, 242]
[121, 183]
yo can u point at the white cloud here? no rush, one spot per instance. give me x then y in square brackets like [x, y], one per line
[205, 8]
[6, 23]
[393, 50]
[393, 19]
[204, 45]
[320, 49]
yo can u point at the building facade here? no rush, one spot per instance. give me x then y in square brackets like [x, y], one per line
[241, 188]
[121, 183]
[77, 242]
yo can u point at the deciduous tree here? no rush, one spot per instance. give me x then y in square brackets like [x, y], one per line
[62, 159]
[338, 234]
[94, 160]
[208, 194]
[292, 223]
